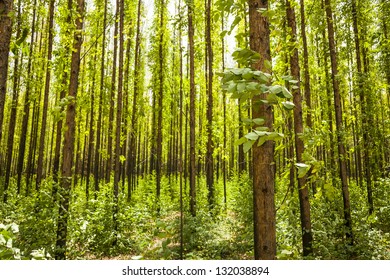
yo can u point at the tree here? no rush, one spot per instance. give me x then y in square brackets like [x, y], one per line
[339, 123]
[262, 156]
[69, 136]
[209, 90]
[307, 237]
[6, 8]
[192, 167]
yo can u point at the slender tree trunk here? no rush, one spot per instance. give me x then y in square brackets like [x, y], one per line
[303, 192]
[69, 137]
[209, 90]
[26, 106]
[112, 97]
[117, 162]
[339, 124]
[132, 156]
[160, 104]
[363, 109]
[12, 120]
[263, 156]
[42, 133]
[101, 94]
[6, 8]
[192, 167]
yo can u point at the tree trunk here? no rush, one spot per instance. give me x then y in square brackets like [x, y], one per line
[69, 137]
[6, 7]
[192, 167]
[303, 192]
[263, 156]
[12, 120]
[209, 90]
[112, 97]
[339, 124]
[42, 132]
[26, 105]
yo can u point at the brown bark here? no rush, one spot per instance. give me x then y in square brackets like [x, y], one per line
[192, 167]
[339, 124]
[160, 104]
[132, 153]
[363, 108]
[45, 97]
[26, 105]
[6, 7]
[69, 137]
[101, 94]
[263, 156]
[303, 192]
[12, 120]
[209, 93]
[112, 97]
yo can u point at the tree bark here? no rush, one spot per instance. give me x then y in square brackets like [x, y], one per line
[303, 192]
[6, 7]
[45, 97]
[263, 156]
[339, 124]
[69, 137]
[192, 167]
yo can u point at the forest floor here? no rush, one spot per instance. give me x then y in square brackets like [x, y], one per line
[226, 232]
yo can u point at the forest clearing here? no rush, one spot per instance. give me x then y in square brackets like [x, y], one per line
[188, 130]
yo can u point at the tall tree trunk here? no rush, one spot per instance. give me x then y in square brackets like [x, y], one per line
[160, 104]
[12, 120]
[118, 131]
[26, 105]
[339, 124]
[69, 137]
[101, 94]
[306, 65]
[192, 167]
[303, 192]
[112, 97]
[263, 156]
[6, 7]
[209, 90]
[132, 156]
[363, 109]
[42, 134]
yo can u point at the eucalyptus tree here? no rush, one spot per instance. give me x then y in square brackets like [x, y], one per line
[6, 8]
[263, 156]
[26, 104]
[14, 103]
[209, 92]
[69, 136]
[192, 167]
[339, 122]
[307, 237]
[46, 95]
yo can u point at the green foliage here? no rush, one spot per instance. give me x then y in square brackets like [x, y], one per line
[7, 235]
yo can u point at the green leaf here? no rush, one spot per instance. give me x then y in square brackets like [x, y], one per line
[241, 87]
[268, 64]
[275, 89]
[302, 169]
[240, 141]
[252, 136]
[288, 105]
[258, 121]
[248, 145]
[286, 93]
[272, 98]
[252, 86]
[247, 74]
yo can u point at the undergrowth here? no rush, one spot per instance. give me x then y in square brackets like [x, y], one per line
[225, 231]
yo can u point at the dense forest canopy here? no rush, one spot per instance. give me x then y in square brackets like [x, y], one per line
[213, 129]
